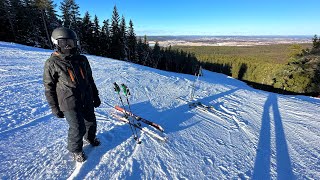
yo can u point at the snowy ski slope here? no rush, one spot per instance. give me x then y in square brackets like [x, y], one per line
[248, 134]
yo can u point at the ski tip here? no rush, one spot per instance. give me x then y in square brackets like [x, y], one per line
[137, 140]
[161, 129]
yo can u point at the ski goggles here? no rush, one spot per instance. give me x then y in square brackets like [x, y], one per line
[67, 43]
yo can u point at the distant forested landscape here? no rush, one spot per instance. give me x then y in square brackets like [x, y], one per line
[281, 68]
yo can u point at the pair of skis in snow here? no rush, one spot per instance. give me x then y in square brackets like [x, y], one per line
[201, 105]
[198, 104]
[132, 119]
[209, 109]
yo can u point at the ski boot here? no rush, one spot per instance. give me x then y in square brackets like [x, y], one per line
[79, 156]
[95, 142]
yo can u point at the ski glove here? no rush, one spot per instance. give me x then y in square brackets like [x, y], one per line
[57, 113]
[96, 102]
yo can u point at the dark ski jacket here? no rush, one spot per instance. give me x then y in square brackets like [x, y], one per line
[68, 82]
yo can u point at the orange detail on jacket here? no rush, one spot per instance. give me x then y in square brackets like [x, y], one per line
[71, 75]
[81, 72]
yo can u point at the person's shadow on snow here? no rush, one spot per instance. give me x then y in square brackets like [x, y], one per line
[263, 156]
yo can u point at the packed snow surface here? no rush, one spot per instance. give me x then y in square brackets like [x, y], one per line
[247, 134]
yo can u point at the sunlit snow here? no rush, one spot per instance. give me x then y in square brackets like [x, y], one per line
[248, 134]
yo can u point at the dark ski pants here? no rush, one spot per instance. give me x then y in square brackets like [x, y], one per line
[82, 124]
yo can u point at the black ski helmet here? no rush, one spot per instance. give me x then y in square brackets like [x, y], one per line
[63, 34]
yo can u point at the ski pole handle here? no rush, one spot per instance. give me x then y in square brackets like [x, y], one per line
[116, 87]
[125, 89]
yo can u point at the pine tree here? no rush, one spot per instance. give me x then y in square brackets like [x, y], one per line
[75, 18]
[115, 48]
[70, 14]
[146, 52]
[66, 14]
[48, 17]
[7, 32]
[21, 19]
[96, 33]
[17, 12]
[132, 44]
[169, 59]
[52, 18]
[33, 30]
[105, 37]
[86, 34]
[140, 51]
[315, 42]
[123, 40]
[156, 55]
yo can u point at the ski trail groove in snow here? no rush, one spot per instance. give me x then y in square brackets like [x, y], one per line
[31, 123]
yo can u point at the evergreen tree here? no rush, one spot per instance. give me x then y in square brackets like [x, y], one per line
[75, 17]
[42, 4]
[32, 29]
[115, 48]
[301, 75]
[86, 34]
[156, 55]
[7, 32]
[169, 59]
[65, 9]
[21, 25]
[70, 14]
[132, 44]
[146, 52]
[140, 51]
[49, 19]
[105, 37]
[161, 64]
[123, 40]
[96, 33]
[315, 42]
[21, 17]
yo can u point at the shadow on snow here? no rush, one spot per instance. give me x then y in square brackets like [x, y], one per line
[263, 158]
[172, 119]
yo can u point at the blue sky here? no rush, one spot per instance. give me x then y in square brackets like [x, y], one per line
[212, 17]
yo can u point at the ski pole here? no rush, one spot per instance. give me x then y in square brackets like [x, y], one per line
[194, 84]
[126, 92]
[117, 89]
[193, 89]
